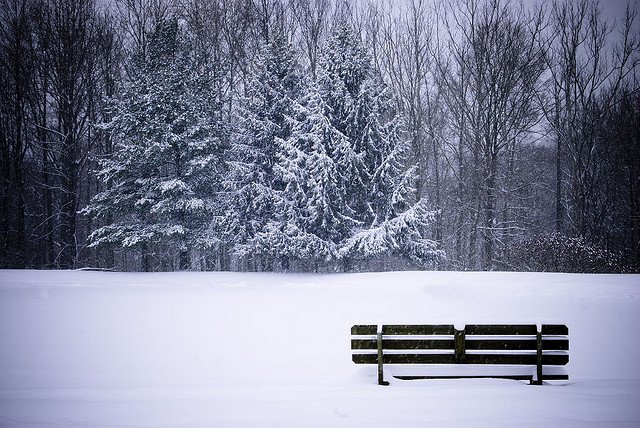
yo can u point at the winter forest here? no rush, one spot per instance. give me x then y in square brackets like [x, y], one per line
[319, 135]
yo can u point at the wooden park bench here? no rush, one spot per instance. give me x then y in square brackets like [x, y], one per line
[499, 345]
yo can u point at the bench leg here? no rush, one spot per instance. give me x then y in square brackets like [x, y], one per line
[538, 380]
[381, 380]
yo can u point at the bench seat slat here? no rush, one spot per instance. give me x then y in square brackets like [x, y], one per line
[516, 345]
[554, 329]
[404, 358]
[502, 359]
[361, 330]
[495, 330]
[403, 344]
[420, 330]
[515, 359]
[517, 330]
[470, 344]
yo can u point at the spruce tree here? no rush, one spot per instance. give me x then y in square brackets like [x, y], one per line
[312, 216]
[264, 118]
[164, 174]
[372, 160]
[360, 106]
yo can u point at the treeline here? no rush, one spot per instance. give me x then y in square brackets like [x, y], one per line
[316, 134]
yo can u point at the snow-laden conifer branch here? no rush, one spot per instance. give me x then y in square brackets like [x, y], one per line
[402, 236]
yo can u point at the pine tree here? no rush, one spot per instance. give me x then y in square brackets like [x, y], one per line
[164, 174]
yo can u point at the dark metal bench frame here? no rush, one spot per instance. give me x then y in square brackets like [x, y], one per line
[549, 348]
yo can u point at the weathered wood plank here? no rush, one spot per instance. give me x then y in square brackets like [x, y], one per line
[497, 330]
[399, 344]
[555, 329]
[418, 329]
[364, 329]
[516, 359]
[516, 345]
[555, 345]
[404, 358]
[470, 344]
[547, 329]
[503, 359]
[487, 329]
[365, 358]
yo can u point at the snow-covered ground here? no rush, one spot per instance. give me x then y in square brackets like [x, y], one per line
[272, 350]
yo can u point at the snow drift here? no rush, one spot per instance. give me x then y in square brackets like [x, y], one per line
[262, 350]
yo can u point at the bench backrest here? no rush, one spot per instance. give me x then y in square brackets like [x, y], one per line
[476, 344]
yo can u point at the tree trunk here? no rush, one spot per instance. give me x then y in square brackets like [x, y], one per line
[19, 252]
[145, 262]
[4, 218]
[68, 250]
[489, 216]
[436, 172]
[185, 262]
[47, 181]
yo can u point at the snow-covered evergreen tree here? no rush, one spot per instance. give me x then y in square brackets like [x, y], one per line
[265, 117]
[315, 193]
[327, 214]
[402, 236]
[339, 188]
[165, 172]
[377, 181]
[360, 106]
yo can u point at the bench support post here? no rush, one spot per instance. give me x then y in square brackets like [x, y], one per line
[459, 352]
[538, 380]
[381, 380]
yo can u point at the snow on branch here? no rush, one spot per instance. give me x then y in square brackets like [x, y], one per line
[402, 235]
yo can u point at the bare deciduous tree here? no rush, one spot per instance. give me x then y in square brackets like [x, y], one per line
[16, 72]
[490, 67]
[589, 62]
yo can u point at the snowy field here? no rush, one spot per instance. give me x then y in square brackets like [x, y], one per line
[96, 349]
